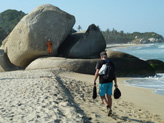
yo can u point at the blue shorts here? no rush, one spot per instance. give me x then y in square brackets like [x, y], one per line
[105, 88]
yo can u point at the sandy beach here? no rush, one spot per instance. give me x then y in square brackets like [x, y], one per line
[37, 96]
[53, 95]
[135, 105]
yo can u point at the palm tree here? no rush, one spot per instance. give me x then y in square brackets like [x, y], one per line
[79, 28]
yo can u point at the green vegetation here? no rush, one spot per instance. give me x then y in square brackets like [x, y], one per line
[113, 36]
[8, 20]
[147, 35]
[157, 65]
[79, 28]
[3, 34]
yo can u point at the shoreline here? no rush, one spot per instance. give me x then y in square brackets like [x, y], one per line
[153, 89]
[120, 46]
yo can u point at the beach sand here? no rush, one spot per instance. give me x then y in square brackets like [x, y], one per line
[37, 96]
[119, 46]
[54, 95]
[135, 105]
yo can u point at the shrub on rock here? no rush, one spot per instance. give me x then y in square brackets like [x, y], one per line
[157, 65]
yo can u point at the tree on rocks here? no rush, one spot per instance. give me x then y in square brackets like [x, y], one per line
[79, 28]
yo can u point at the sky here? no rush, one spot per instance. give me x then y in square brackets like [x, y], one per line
[127, 15]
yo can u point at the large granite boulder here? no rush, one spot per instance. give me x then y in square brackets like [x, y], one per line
[125, 67]
[129, 65]
[5, 64]
[118, 54]
[132, 67]
[28, 39]
[86, 66]
[87, 44]
[158, 65]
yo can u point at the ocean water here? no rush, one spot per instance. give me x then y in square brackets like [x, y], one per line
[156, 83]
[145, 52]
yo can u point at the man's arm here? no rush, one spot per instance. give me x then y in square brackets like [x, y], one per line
[96, 75]
[115, 82]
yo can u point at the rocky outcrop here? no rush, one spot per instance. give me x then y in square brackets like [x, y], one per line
[124, 66]
[5, 64]
[153, 40]
[144, 41]
[87, 44]
[28, 39]
[150, 40]
[157, 65]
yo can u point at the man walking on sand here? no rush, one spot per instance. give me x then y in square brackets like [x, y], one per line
[105, 85]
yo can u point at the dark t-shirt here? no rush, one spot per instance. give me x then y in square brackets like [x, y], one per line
[98, 66]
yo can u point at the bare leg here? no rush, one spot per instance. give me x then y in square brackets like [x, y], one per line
[109, 100]
[110, 105]
[104, 100]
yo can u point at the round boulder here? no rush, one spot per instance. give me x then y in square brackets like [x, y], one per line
[28, 40]
[129, 65]
[86, 66]
[87, 44]
[132, 67]
[118, 54]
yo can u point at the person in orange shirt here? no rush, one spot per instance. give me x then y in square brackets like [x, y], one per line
[49, 44]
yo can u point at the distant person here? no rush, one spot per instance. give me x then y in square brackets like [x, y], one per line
[49, 44]
[105, 80]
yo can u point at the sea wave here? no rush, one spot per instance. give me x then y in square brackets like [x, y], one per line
[161, 46]
[156, 82]
[159, 91]
[149, 45]
[137, 48]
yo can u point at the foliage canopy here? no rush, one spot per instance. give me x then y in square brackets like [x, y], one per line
[113, 36]
[8, 20]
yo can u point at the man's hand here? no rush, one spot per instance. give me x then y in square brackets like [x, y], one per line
[116, 86]
[94, 84]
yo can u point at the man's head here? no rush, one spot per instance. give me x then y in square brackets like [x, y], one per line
[103, 55]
